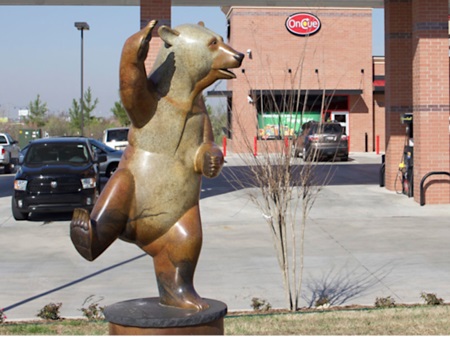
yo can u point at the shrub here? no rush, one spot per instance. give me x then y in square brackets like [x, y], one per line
[384, 302]
[2, 316]
[50, 312]
[431, 299]
[322, 302]
[94, 312]
[260, 304]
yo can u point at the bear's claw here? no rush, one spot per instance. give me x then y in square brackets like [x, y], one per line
[81, 233]
[213, 163]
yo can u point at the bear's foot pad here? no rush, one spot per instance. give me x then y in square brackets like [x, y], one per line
[81, 232]
[146, 316]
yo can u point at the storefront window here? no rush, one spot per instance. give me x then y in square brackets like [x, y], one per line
[283, 114]
[279, 125]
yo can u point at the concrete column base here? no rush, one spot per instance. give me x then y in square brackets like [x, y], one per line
[147, 317]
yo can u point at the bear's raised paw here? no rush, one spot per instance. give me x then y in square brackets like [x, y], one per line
[146, 38]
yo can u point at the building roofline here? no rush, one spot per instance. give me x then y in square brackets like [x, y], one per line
[200, 3]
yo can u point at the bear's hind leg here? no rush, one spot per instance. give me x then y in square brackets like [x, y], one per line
[92, 233]
[175, 260]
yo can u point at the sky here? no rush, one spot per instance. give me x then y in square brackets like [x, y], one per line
[41, 51]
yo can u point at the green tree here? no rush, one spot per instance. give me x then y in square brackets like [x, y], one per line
[58, 126]
[89, 105]
[37, 110]
[120, 113]
[75, 115]
[75, 111]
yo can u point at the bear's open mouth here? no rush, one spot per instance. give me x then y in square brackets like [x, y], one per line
[227, 73]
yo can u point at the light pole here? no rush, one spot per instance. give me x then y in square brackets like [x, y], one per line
[82, 26]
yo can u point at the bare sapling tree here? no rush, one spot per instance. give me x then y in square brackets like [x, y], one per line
[284, 190]
[282, 187]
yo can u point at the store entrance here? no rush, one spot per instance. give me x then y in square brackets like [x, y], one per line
[342, 118]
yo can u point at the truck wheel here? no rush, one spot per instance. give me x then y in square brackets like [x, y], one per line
[9, 168]
[12, 166]
[17, 214]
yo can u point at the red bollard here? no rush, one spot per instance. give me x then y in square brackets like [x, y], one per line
[255, 146]
[286, 144]
[377, 145]
[224, 146]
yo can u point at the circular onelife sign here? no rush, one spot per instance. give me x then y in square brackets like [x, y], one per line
[303, 24]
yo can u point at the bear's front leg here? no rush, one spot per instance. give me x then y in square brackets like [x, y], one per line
[209, 160]
[137, 98]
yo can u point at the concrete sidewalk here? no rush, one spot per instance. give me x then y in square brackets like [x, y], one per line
[362, 242]
[236, 159]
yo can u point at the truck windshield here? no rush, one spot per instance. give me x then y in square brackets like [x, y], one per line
[117, 135]
[53, 153]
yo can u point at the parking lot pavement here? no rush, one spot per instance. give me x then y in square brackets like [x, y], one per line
[362, 242]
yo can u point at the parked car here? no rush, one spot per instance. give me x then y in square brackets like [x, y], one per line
[108, 167]
[56, 175]
[321, 140]
[117, 138]
[9, 152]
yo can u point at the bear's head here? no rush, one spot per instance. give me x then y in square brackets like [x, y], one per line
[200, 56]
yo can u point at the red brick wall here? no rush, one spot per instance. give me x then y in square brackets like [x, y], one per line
[361, 132]
[379, 125]
[339, 51]
[431, 98]
[379, 121]
[379, 66]
[155, 10]
[417, 80]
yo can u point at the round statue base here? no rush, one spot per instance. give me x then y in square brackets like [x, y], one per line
[146, 316]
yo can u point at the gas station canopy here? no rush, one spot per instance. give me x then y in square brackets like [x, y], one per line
[269, 3]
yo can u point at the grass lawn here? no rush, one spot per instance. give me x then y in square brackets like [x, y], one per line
[416, 320]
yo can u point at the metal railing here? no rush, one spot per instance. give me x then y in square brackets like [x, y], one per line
[422, 182]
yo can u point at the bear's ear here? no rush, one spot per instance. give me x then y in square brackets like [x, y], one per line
[168, 35]
[201, 23]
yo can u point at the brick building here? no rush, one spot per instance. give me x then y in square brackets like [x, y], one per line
[288, 79]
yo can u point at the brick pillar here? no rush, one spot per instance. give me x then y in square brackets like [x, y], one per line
[398, 93]
[155, 10]
[431, 98]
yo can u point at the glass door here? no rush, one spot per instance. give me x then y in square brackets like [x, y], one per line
[342, 118]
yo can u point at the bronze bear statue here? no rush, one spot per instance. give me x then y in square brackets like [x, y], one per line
[152, 200]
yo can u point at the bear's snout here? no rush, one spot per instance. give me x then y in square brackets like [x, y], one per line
[239, 57]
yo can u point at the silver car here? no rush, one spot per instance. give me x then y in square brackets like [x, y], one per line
[113, 156]
[321, 140]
